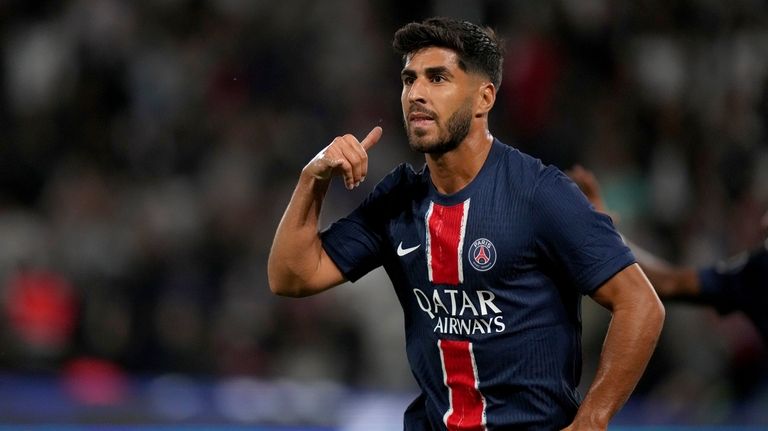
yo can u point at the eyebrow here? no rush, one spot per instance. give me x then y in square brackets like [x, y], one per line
[429, 71]
[409, 73]
[437, 70]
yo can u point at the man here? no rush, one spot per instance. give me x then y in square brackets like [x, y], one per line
[738, 284]
[488, 250]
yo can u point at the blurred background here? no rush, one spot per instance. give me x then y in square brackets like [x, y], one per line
[148, 149]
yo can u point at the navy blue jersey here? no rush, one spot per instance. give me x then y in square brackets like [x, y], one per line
[739, 284]
[490, 281]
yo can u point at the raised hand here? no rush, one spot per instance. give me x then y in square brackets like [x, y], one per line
[345, 156]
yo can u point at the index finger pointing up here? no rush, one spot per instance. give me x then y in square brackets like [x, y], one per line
[373, 137]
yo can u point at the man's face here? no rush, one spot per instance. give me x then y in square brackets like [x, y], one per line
[437, 99]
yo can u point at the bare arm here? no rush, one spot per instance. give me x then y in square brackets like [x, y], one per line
[636, 322]
[298, 265]
[668, 280]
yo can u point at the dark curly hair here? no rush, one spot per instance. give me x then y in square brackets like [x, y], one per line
[478, 48]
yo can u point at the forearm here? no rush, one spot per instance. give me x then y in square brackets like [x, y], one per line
[298, 266]
[296, 250]
[669, 281]
[629, 343]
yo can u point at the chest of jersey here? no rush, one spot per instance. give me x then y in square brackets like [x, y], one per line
[471, 244]
[463, 269]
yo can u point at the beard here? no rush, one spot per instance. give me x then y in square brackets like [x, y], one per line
[457, 128]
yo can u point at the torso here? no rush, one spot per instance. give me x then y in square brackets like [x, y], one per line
[492, 320]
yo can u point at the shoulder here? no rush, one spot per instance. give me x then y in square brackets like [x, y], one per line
[400, 179]
[750, 267]
[397, 188]
[736, 283]
[551, 181]
[755, 261]
[524, 170]
[402, 174]
[550, 175]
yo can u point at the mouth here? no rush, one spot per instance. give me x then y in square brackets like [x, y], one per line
[420, 118]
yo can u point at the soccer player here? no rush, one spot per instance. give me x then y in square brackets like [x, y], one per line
[488, 250]
[737, 284]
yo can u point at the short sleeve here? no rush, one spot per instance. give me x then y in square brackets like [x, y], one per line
[354, 242]
[579, 241]
[738, 283]
[715, 287]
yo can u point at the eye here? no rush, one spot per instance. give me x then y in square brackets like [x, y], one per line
[407, 80]
[438, 79]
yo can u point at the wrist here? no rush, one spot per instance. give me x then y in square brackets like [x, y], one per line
[310, 177]
[313, 184]
[588, 419]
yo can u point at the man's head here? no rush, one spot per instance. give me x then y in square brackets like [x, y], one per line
[451, 72]
[478, 49]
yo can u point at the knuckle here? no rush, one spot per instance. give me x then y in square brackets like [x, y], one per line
[353, 158]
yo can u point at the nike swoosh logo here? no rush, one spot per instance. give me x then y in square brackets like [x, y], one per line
[403, 251]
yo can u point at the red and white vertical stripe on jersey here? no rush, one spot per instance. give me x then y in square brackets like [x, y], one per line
[466, 410]
[445, 239]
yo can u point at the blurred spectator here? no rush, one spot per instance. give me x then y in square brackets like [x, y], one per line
[42, 312]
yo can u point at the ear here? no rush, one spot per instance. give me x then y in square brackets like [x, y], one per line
[486, 99]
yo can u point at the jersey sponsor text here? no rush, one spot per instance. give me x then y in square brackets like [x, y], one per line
[460, 313]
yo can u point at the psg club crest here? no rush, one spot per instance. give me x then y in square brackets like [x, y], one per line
[482, 254]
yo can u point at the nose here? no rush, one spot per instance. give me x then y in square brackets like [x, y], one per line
[417, 92]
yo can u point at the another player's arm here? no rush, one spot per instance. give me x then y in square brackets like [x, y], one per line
[298, 264]
[668, 280]
[636, 322]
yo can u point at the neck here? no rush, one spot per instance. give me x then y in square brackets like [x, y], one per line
[452, 171]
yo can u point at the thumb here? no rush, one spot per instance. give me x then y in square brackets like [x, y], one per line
[373, 137]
